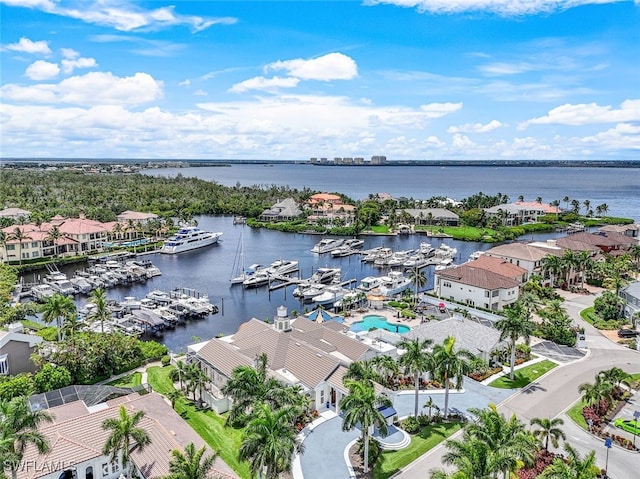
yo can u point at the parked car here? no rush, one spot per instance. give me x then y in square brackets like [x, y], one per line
[628, 425]
[627, 333]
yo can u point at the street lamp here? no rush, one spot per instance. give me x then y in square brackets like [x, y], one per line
[607, 443]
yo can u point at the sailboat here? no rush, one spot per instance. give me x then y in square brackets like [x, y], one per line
[239, 273]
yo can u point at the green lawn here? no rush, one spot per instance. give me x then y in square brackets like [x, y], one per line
[575, 413]
[209, 425]
[392, 461]
[128, 381]
[523, 376]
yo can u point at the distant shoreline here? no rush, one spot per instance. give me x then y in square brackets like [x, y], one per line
[192, 163]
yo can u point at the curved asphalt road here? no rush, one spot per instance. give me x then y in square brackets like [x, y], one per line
[555, 392]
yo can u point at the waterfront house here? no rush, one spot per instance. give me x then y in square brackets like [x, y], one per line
[299, 351]
[524, 255]
[470, 334]
[76, 437]
[135, 217]
[500, 266]
[285, 210]
[632, 230]
[15, 214]
[16, 349]
[476, 287]
[512, 214]
[608, 242]
[433, 216]
[631, 296]
[329, 206]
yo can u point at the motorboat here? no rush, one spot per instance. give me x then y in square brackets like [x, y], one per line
[245, 274]
[330, 295]
[426, 249]
[324, 275]
[369, 283]
[63, 287]
[444, 264]
[189, 238]
[160, 297]
[283, 266]
[42, 291]
[327, 245]
[349, 247]
[259, 278]
[475, 255]
[394, 283]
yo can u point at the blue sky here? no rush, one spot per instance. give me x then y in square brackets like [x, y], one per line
[409, 79]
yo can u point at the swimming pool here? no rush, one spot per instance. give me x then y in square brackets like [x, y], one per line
[379, 322]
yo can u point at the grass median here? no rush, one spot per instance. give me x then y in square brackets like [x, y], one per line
[523, 376]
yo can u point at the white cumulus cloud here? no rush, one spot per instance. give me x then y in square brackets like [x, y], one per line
[588, 113]
[265, 84]
[333, 66]
[507, 8]
[95, 88]
[475, 127]
[41, 70]
[29, 46]
[69, 65]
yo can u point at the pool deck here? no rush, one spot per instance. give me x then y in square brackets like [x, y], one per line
[391, 315]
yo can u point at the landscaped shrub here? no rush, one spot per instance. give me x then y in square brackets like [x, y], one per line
[411, 425]
[165, 360]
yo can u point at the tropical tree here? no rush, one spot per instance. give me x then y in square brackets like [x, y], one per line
[54, 235]
[125, 436]
[179, 373]
[566, 200]
[19, 236]
[270, 441]
[516, 323]
[572, 467]
[361, 409]
[19, 429]
[473, 459]
[363, 371]
[417, 359]
[548, 430]
[251, 385]
[197, 380]
[56, 308]
[101, 312]
[511, 444]
[192, 464]
[552, 265]
[431, 404]
[419, 280]
[450, 363]
[600, 390]
[616, 376]
[385, 367]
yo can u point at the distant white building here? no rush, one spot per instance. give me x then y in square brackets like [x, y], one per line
[14, 213]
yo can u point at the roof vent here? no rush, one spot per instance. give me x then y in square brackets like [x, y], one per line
[319, 355]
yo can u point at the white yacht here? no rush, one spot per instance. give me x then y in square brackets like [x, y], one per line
[369, 283]
[393, 283]
[325, 275]
[257, 279]
[189, 238]
[327, 245]
[283, 266]
[330, 295]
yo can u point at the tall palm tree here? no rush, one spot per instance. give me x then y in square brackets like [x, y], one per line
[363, 371]
[473, 459]
[552, 265]
[19, 429]
[417, 359]
[125, 437]
[4, 239]
[54, 236]
[573, 467]
[548, 430]
[102, 312]
[511, 444]
[179, 373]
[450, 363]
[360, 409]
[600, 390]
[192, 464]
[56, 308]
[386, 367]
[270, 441]
[566, 200]
[516, 323]
[419, 280]
[569, 262]
[19, 236]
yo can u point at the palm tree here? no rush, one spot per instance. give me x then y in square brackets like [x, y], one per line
[603, 208]
[575, 206]
[4, 239]
[548, 431]
[430, 404]
[615, 376]
[102, 312]
[473, 458]
[56, 308]
[587, 205]
[173, 396]
[179, 373]
[552, 265]
[415, 361]
[361, 409]
[515, 324]
[19, 236]
[596, 392]
[451, 363]
[125, 437]
[197, 380]
[363, 371]
[419, 280]
[573, 467]
[385, 367]
[270, 441]
[19, 429]
[192, 464]
[566, 200]
[54, 235]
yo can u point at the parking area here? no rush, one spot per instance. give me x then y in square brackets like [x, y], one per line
[557, 352]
